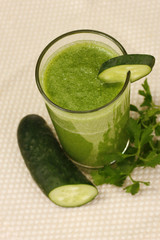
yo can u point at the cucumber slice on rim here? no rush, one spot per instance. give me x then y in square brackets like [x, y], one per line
[115, 69]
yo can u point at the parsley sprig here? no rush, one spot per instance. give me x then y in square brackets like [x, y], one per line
[143, 149]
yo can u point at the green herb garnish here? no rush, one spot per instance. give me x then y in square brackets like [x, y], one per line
[143, 149]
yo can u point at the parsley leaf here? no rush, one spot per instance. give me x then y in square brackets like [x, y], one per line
[146, 93]
[146, 135]
[134, 108]
[157, 130]
[113, 175]
[134, 131]
[133, 188]
[152, 160]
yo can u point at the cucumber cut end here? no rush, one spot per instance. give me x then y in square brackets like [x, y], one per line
[119, 73]
[73, 195]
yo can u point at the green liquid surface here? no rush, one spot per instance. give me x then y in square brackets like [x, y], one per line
[70, 76]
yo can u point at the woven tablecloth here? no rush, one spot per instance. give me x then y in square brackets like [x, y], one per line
[26, 27]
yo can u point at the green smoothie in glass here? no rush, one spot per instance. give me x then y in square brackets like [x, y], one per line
[89, 116]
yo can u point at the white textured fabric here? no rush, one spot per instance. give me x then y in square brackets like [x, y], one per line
[26, 27]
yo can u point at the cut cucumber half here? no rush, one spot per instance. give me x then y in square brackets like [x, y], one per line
[55, 174]
[115, 69]
[73, 195]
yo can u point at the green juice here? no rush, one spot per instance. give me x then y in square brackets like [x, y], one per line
[89, 116]
[70, 79]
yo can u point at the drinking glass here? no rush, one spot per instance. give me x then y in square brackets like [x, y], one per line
[88, 136]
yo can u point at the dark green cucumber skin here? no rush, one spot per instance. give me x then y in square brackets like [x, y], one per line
[128, 59]
[43, 156]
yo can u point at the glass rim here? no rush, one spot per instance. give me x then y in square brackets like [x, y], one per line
[69, 34]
